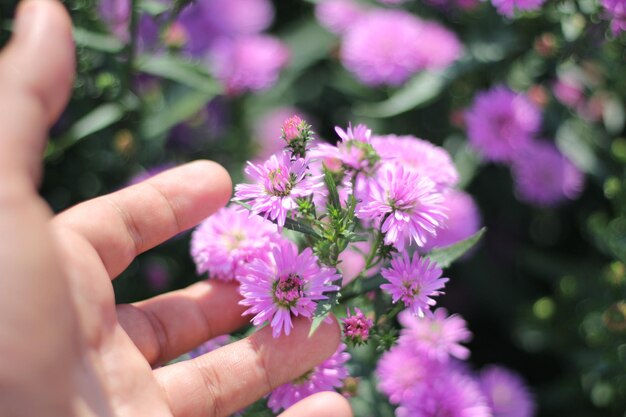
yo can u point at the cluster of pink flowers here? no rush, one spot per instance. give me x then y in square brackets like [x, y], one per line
[387, 47]
[616, 9]
[227, 34]
[502, 126]
[509, 7]
[399, 189]
[424, 374]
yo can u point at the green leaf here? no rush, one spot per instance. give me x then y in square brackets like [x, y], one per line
[180, 71]
[324, 308]
[97, 41]
[333, 194]
[445, 256]
[153, 7]
[99, 118]
[419, 91]
[180, 109]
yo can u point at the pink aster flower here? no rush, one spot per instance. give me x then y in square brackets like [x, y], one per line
[353, 152]
[617, 11]
[401, 372]
[338, 15]
[463, 220]
[438, 47]
[413, 281]
[438, 336]
[356, 328]
[327, 376]
[279, 182]
[229, 239]
[419, 156]
[407, 205]
[544, 176]
[248, 63]
[381, 47]
[509, 7]
[500, 122]
[267, 130]
[569, 90]
[506, 393]
[285, 284]
[452, 394]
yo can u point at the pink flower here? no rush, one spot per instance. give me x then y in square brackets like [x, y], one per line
[544, 176]
[506, 393]
[285, 284]
[356, 328]
[414, 282]
[438, 336]
[248, 63]
[338, 15]
[353, 152]
[267, 130]
[291, 128]
[501, 122]
[229, 239]
[279, 182]
[617, 11]
[509, 7]
[408, 206]
[419, 156]
[327, 376]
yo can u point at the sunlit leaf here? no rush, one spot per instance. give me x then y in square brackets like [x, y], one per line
[445, 256]
[181, 71]
[97, 41]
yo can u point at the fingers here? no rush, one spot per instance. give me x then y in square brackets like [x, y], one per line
[36, 73]
[140, 217]
[172, 324]
[324, 404]
[228, 379]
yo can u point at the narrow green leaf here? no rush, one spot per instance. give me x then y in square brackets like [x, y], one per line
[333, 194]
[445, 256]
[324, 308]
[153, 7]
[181, 109]
[99, 118]
[181, 71]
[418, 92]
[97, 41]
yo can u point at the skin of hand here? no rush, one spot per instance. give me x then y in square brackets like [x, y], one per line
[66, 348]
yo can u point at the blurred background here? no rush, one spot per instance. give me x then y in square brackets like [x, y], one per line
[163, 82]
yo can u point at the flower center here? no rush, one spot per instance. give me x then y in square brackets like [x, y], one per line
[234, 239]
[288, 290]
[279, 182]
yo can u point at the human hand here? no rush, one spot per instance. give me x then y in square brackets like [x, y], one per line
[66, 349]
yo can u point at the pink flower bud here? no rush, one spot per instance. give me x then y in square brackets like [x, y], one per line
[291, 128]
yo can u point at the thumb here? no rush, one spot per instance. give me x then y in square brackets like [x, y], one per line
[36, 73]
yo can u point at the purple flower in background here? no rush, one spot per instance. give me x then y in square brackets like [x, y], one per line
[116, 15]
[205, 21]
[501, 122]
[437, 47]
[451, 393]
[392, 1]
[387, 47]
[418, 155]
[414, 282]
[407, 205]
[506, 393]
[437, 335]
[509, 7]
[338, 15]
[381, 47]
[248, 63]
[279, 182]
[356, 328]
[327, 376]
[463, 220]
[285, 284]
[210, 346]
[229, 239]
[544, 176]
[157, 274]
[617, 11]
[569, 90]
[402, 372]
